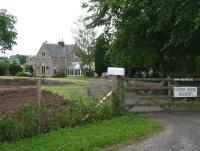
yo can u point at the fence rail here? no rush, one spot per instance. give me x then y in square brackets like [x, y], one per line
[164, 79]
[149, 90]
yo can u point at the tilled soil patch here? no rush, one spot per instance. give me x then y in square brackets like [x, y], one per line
[12, 98]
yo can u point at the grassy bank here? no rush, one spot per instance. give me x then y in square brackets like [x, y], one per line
[89, 137]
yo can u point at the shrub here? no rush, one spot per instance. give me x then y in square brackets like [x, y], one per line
[118, 105]
[4, 65]
[29, 120]
[57, 114]
[23, 74]
[29, 68]
[59, 74]
[56, 117]
[9, 129]
[14, 68]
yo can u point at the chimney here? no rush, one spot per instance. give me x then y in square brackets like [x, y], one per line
[61, 43]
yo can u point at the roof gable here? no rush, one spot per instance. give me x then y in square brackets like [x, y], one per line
[56, 50]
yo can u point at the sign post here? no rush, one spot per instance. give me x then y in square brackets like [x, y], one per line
[181, 92]
[118, 82]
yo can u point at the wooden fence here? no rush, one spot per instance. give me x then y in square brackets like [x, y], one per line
[165, 87]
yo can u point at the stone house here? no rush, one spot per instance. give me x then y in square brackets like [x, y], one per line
[54, 58]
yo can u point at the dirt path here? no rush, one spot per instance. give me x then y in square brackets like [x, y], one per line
[182, 134]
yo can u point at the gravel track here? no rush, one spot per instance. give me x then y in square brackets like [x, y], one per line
[182, 134]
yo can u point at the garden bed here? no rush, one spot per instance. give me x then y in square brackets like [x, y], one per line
[13, 97]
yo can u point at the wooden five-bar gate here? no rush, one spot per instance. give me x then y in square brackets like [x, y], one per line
[157, 94]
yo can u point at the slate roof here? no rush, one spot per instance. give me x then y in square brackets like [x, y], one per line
[56, 50]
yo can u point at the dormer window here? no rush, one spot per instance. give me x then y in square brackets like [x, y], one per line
[43, 53]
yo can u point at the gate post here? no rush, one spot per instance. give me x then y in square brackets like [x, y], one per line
[169, 92]
[118, 83]
[121, 88]
[39, 103]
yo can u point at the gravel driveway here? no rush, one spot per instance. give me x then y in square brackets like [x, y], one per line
[182, 134]
[100, 87]
[182, 129]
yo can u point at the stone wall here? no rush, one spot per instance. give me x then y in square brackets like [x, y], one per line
[43, 60]
[32, 82]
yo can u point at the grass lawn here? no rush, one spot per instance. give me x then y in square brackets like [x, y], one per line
[89, 137]
[76, 91]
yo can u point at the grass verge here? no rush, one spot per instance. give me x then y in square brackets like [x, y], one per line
[89, 137]
[189, 106]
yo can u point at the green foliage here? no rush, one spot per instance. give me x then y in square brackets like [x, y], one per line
[23, 74]
[15, 68]
[9, 129]
[7, 31]
[4, 65]
[118, 105]
[56, 114]
[29, 68]
[24, 124]
[29, 120]
[90, 137]
[60, 74]
[101, 46]
[144, 33]
[22, 59]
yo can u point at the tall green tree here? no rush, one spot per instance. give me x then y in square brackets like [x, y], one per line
[4, 66]
[8, 32]
[101, 46]
[148, 33]
[14, 68]
[22, 59]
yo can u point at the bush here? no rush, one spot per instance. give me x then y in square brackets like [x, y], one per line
[29, 68]
[29, 120]
[25, 125]
[57, 115]
[118, 105]
[14, 69]
[23, 74]
[59, 74]
[9, 129]
[4, 65]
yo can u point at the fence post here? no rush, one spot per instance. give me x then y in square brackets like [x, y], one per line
[169, 86]
[39, 103]
[114, 84]
[169, 91]
[39, 95]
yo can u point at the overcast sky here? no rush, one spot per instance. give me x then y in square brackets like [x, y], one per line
[42, 20]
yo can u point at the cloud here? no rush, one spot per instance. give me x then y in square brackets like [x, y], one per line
[42, 20]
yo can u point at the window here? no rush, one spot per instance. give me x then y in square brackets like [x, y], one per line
[43, 69]
[68, 72]
[77, 71]
[43, 53]
[71, 72]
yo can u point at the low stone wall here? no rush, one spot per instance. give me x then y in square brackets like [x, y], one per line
[32, 82]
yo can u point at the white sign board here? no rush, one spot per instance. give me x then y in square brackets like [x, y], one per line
[185, 92]
[183, 79]
[116, 71]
